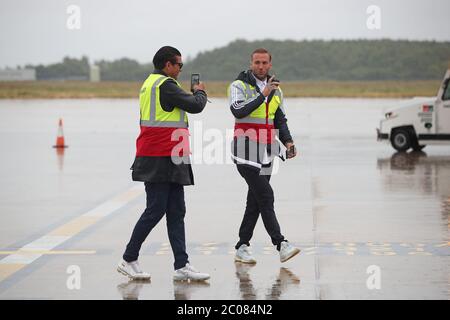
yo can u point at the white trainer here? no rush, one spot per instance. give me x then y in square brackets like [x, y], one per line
[287, 251]
[244, 255]
[188, 272]
[132, 270]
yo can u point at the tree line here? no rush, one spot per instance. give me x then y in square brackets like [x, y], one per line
[292, 61]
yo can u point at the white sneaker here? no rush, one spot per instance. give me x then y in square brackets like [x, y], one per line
[132, 270]
[188, 272]
[287, 251]
[244, 255]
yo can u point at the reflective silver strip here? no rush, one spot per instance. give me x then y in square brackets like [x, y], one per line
[243, 161]
[165, 124]
[153, 98]
[153, 122]
[182, 114]
[254, 120]
[248, 91]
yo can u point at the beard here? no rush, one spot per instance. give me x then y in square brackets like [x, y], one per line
[260, 77]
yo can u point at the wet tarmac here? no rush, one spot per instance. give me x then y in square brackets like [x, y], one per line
[371, 223]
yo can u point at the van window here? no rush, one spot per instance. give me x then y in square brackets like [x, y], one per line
[446, 95]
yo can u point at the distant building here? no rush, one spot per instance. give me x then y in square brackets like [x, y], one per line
[17, 75]
[94, 75]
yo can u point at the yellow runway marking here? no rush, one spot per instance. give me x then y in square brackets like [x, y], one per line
[75, 226]
[445, 244]
[8, 269]
[63, 252]
[16, 260]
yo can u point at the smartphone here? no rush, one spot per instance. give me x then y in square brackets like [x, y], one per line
[195, 79]
[290, 152]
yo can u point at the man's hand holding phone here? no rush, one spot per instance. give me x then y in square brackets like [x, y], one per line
[199, 86]
[272, 84]
[195, 83]
[291, 151]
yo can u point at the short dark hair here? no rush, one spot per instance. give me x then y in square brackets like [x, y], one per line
[163, 55]
[261, 50]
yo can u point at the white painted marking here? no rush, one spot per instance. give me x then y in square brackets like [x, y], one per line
[26, 255]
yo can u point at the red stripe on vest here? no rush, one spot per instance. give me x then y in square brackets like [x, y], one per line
[157, 142]
[263, 133]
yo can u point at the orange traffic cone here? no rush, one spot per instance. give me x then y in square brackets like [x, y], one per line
[60, 137]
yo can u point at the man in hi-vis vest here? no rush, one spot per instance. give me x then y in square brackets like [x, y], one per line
[256, 102]
[162, 162]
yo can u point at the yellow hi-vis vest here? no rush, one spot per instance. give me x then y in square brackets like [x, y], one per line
[152, 114]
[263, 112]
[162, 133]
[258, 125]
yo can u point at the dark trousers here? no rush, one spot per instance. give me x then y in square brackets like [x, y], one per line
[260, 200]
[162, 198]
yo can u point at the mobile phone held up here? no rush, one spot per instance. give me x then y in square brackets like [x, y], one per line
[195, 80]
[276, 82]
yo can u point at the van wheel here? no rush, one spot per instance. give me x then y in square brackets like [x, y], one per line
[401, 140]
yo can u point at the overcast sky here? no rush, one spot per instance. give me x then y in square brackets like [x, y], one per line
[35, 31]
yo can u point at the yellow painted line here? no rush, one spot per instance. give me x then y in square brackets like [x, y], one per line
[16, 260]
[129, 195]
[8, 269]
[418, 253]
[445, 244]
[63, 252]
[75, 226]
[379, 245]
[383, 253]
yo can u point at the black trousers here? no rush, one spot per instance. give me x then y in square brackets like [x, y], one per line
[260, 200]
[162, 198]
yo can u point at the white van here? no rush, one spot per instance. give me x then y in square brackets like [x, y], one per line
[419, 121]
